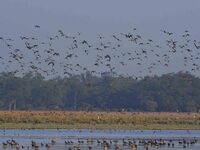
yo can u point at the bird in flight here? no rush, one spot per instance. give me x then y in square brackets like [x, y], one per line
[37, 26]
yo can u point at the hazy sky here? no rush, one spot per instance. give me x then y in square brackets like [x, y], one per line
[99, 15]
[93, 17]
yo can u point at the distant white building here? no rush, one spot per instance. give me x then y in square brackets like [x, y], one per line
[108, 74]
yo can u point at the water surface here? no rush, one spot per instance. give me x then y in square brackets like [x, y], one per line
[61, 139]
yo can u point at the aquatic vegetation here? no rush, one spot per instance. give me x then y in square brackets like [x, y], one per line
[70, 119]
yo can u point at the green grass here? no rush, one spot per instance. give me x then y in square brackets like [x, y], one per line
[100, 120]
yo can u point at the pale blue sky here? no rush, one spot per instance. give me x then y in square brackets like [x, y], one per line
[105, 17]
[99, 15]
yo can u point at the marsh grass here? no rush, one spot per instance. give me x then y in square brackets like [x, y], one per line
[69, 119]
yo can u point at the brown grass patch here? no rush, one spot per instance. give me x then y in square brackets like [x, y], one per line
[70, 119]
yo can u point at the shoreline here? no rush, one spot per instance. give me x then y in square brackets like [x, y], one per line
[101, 127]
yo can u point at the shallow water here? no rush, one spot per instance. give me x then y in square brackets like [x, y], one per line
[96, 139]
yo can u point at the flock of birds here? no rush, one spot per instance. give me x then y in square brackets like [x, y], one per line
[49, 58]
[129, 51]
[105, 144]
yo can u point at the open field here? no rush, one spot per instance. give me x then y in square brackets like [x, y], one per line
[127, 120]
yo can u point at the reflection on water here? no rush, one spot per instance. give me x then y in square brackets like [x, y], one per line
[85, 139]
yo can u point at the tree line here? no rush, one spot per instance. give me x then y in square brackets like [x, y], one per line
[170, 92]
